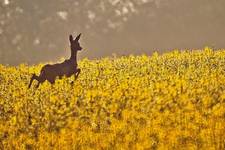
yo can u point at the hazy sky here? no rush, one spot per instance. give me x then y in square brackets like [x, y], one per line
[37, 31]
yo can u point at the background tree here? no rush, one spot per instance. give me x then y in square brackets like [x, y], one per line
[36, 31]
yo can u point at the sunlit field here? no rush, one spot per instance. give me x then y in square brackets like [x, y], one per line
[174, 100]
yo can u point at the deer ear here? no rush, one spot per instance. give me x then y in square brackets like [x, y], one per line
[71, 38]
[78, 37]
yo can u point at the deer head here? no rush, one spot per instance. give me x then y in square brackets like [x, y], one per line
[74, 44]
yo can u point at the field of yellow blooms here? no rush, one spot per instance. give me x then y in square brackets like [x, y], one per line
[171, 101]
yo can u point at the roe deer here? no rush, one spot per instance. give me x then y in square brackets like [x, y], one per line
[66, 68]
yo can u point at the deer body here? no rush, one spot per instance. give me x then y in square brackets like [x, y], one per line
[67, 68]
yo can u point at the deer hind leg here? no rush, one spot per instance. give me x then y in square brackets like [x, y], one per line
[32, 79]
[51, 80]
[40, 79]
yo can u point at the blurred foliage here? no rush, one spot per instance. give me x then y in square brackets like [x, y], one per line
[29, 29]
[170, 101]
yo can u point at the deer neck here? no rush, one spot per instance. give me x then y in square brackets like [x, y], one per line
[73, 56]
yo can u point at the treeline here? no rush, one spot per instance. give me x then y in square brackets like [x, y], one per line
[34, 31]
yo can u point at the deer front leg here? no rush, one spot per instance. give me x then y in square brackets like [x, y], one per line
[77, 73]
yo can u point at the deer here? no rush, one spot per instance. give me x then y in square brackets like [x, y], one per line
[67, 68]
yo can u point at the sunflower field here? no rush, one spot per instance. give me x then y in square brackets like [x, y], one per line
[174, 100]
